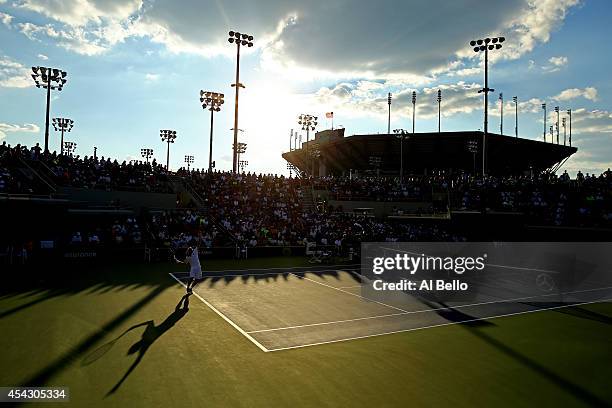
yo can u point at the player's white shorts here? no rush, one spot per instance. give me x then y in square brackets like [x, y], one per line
[195, 273]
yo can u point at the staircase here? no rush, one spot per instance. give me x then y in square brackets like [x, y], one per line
[308, 200]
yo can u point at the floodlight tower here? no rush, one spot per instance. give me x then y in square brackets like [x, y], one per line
[212, 101]
[557, 122]
[439, 110]
[472, 147]
[189, 160]
[564, 123]
[242, 147]
[168, 136]
[146, 154]
[246, 40]
[401, 134]
[552, 134]
[243, 164]
[49, 79]
[486, 45]
[544, 109]
[515, 100]
[501, 113]
[413, 109]
[569, 112]
[389, 97]
[308, 123]
[62, 125]
[69, 148]
[314, 153]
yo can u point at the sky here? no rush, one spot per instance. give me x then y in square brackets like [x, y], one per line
[135, 67]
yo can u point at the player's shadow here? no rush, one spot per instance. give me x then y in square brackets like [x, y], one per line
[150, 335]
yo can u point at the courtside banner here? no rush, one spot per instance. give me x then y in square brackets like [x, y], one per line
[476, 280]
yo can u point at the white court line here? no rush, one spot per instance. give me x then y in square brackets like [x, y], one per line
[349, 293]
[432, 326]
[227, 319]
[420, 311]
[349, 287]
[206, 275]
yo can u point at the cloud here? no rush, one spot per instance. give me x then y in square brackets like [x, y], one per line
[13, 74]
[151, 77]
[27, 128]
[6, 19]
[589, 93]
[43, 57]
[558, 61]
[380, 41]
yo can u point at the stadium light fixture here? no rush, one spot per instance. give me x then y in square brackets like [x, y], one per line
[389, 98]
[564, 124]
[413, 110]
[472, 147]
[439, 98]
[242, 164]
[168, 136]
[211, 101]
[557, 122]
[544, 109]
[315, 154]
[49, 79]
[242, 148]
[308, 123]
[62, 125]
[247, 41]
[70, 148]
[401, 134]
[569, 112]
[486, 45]
[189, 160]
[515, 100]
[146, 154]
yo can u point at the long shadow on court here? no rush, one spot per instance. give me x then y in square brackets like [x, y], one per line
[150, 335]
[475, 328]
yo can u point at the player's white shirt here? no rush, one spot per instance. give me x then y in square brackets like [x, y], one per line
[194, 262]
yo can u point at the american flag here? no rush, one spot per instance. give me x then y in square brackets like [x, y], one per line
[329, 115]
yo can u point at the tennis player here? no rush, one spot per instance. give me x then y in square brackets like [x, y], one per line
[195, 269]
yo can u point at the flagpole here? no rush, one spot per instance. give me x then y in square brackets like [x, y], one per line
[332, 120]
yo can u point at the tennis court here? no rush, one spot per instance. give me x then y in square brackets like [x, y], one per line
[286, 308]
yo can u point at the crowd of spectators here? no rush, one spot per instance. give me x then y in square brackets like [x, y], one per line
[124, 231]
[181, 228]
[11, 179]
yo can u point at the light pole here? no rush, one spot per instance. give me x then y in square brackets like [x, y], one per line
[563, 122]
[439, 110]
[472, 147]
[290, 140]
[501, 113]
[49, 79]
[241, 149]
[247, 40]
[486, 45]
[95, 153]
[515, 100]
[569, 112]
[189, 159]
[413, 110]
[314, 153]
[146, 154]
[167, 136]
[544, 109]
[401, 134]
[552, 134]
[389, 97]
[62, 125]
[557, 122]
[243, 164]
[69, 148]
[308, 123]
[212, 101]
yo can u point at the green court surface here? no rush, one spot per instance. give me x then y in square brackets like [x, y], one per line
[251, 336]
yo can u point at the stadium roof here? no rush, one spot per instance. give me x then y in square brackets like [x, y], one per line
[426, 152]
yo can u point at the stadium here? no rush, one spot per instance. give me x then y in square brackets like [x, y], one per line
[445, 268]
